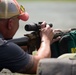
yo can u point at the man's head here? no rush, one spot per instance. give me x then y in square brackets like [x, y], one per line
[10, 14]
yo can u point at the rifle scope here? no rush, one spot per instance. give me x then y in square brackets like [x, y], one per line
[34, 27]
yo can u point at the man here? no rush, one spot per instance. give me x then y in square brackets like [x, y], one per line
[12, 56]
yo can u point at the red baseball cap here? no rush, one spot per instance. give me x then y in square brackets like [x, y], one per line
[10, 8]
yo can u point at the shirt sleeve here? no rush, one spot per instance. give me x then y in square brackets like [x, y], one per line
[13, 57]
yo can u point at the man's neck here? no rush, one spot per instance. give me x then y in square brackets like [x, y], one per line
[1, 36]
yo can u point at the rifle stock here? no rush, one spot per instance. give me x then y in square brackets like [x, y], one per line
[32, 41]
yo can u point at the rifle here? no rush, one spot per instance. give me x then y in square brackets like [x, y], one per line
[32, 40]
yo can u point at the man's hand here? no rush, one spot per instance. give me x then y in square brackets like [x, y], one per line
[57, 38]
[46, 32]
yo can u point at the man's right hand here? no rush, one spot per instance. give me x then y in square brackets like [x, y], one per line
[46, 32]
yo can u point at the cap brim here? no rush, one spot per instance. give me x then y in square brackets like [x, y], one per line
[24, 16]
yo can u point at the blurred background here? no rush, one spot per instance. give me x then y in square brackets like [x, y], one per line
[61, 13]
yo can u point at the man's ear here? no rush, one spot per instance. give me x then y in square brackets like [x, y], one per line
[10, 24]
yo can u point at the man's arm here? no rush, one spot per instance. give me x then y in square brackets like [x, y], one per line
[43, 52]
